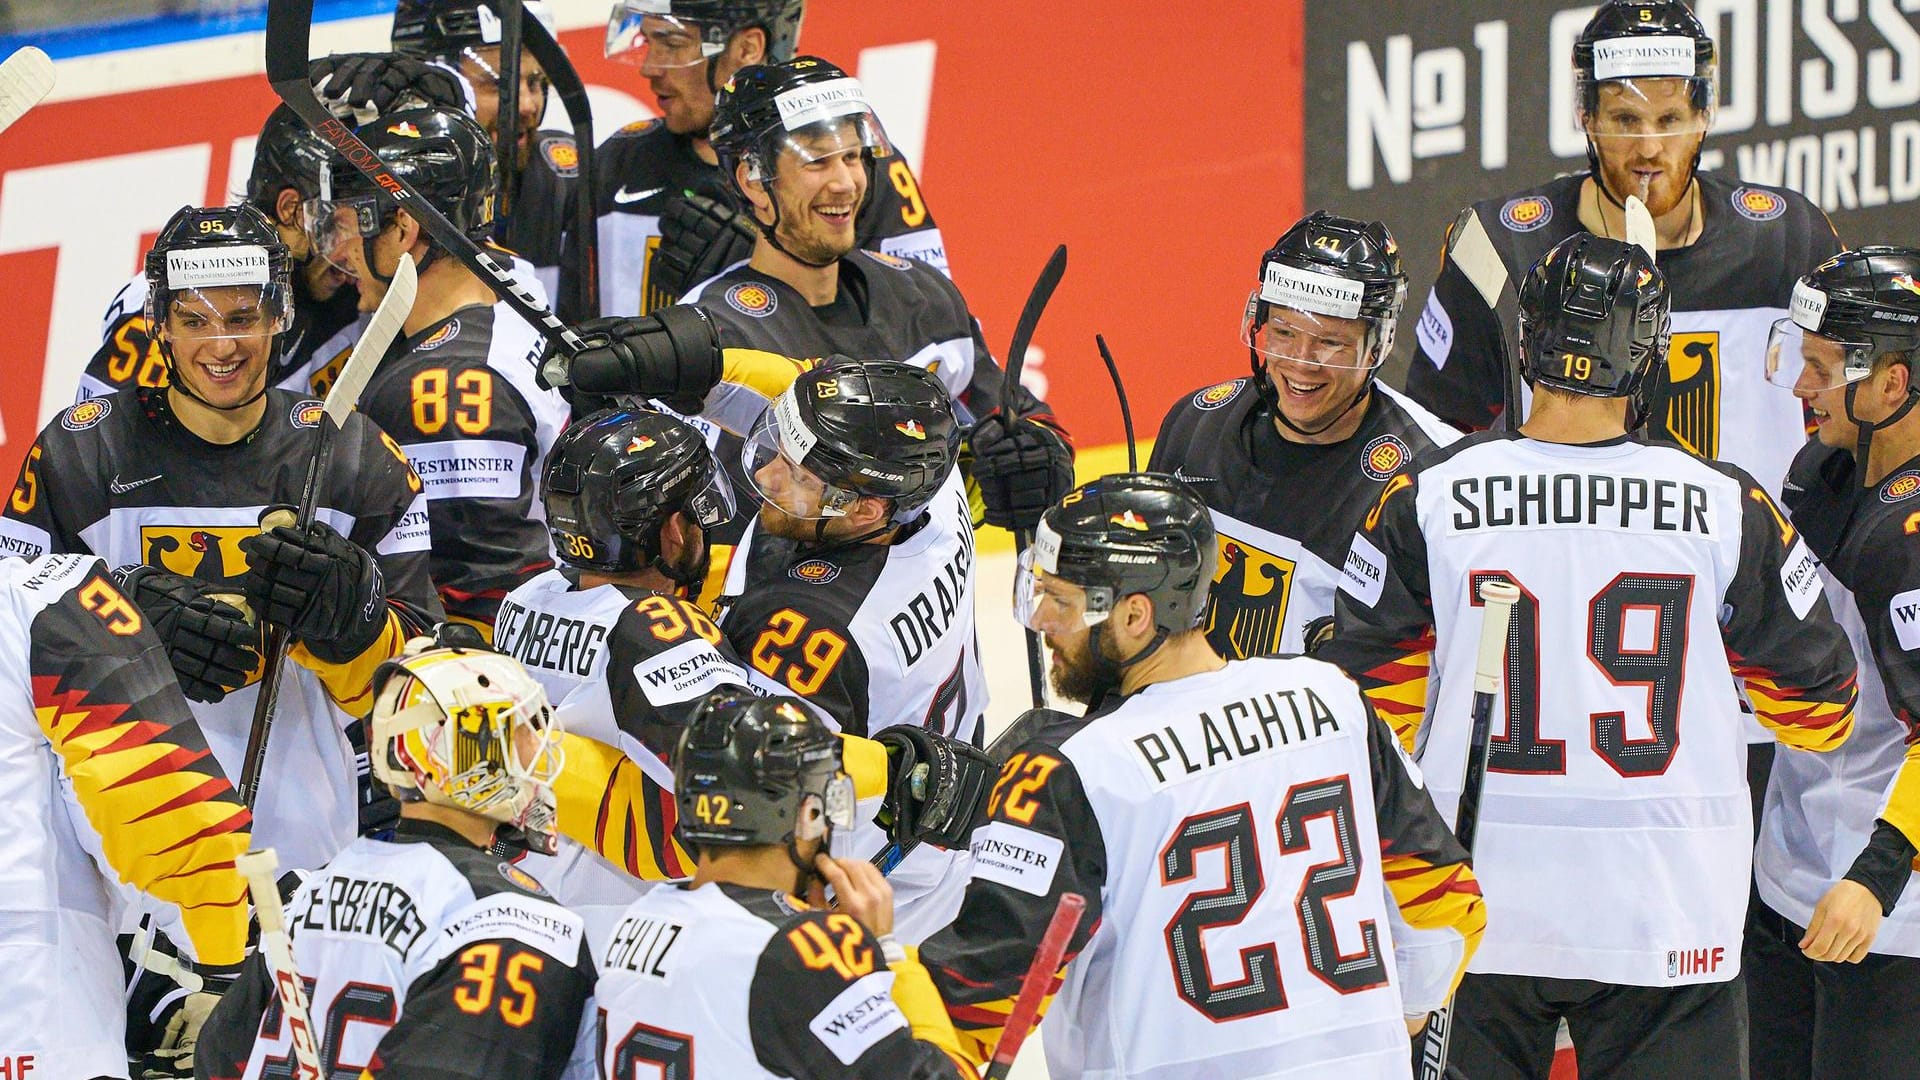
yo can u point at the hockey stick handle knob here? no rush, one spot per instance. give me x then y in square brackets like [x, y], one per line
[1499, 598]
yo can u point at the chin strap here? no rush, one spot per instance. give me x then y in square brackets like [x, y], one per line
[1863, 446]
[1358, 397]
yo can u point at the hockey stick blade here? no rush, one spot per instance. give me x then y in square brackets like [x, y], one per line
[1033, 986]
[1640, 226]
[374, 342]
[1043, 287]
[258, 868]
[26, 78]
[289, 24]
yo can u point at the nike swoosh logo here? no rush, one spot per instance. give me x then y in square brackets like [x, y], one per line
[1181, 474]
[119, 488]
[623, 196]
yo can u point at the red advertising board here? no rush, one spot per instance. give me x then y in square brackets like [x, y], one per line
[1165, 170]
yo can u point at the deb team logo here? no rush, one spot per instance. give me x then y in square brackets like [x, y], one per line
[1527, 213]
[562, 154]
[1383, 457]
[1757, 205]
[814, 572]
[86, 414]
[894, 261]
[440, 337]
[1900, 487]
[307, 414]
[752, 298]
[1216, 396]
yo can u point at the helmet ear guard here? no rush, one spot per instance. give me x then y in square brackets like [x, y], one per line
[1594, 317]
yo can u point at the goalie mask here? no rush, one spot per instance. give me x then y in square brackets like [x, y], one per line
[469, 729]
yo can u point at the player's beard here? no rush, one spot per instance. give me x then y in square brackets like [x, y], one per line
[1088, 675]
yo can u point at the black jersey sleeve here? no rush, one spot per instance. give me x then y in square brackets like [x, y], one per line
[801, 641]
[55, 495]
[821, 1005]
[228, 1034]
[663, 656]
[1383, 616]
[1781, 640]
[1458, 370]
[1889, 605]
[1041, 840]
[896, 208]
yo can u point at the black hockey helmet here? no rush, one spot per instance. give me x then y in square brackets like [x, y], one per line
[1593, 317]
[1643, 39]
[1326, 267]
[806, 106]
[863, 427]
[442, 153]
[753, 770]
[711, 22]
[613, 478]
[218, 248]
[288, 155]
[444, 28]
[1122, 534]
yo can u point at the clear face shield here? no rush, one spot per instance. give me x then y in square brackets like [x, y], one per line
[820, 123]
[826, 813]
[712, 504]
[1646, 125]
[646, 34]
[1292, 336]
[1048, 604]
[336, 226]
[771, 456]
[220, 293]
[1802, 359]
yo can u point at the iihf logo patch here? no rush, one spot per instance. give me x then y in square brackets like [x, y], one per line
[1757, 205]
[894, 261]
[86, 414]
[814, 572]
[1900, 487]
[440, 337]
[307, 414]
[752, 298]
[1526, 213]
[1213, 397]
[1383, 457]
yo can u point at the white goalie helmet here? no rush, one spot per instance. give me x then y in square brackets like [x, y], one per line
[468, 729]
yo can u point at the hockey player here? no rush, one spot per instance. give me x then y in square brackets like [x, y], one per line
[746, 972]
[666, 223]
[1731, 251]
[1837, 835]
[855, 586]
[1310, 432]
[1614, 831]
[1271, 776]
[459, 393]
[105, 766]
[426, 955]
[169, 484]
[288, 161]
[464, 37]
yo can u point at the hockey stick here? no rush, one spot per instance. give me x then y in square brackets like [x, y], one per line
[381, 331]
[25, 79]
[1043, 287]
[506, 118]
[1640, 226]
[289, 24]
[1473, 252]
[1033, 987]
[258, 868]
[1120, 391]
[573, 96]
[1499, 598]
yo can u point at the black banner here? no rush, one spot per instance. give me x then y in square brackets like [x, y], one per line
[1414, 110]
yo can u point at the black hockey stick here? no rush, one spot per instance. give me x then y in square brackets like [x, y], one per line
[573, 96]
[1499, 598]
[506, 120]
[1126, 412]
[289, 24]
[344, 395]
[1043, 287]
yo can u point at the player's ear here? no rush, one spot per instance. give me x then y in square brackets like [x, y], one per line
[747, 46]
[755, 191]
[286, 208]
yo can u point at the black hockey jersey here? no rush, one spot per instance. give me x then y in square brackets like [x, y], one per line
[643, 167]
[1728, 288]
[1822, 810]
[118, 477]
[1284, 512]
[460, 397]
[312, 350]
[1240, 836]
[729, 981]
[423, 956]
[542, 210]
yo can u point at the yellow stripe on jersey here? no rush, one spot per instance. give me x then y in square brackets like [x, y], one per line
[350, 685]
[919, 1002]
[1398, 687]
[1434, 897]
[1795, 719]
[167, 828]
[979, 1026]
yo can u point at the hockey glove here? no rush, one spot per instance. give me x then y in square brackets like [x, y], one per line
[699, 237]
[936, 787]
[1023, 464]
[673, 353]
[168, 999]
[361, 86]
[325, 589]
[212, 646]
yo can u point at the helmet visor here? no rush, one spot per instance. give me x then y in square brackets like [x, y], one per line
[335, 224]
[1279, 333]
[644, 34]
[712, 504]
[820, 122]
[215, 312]
[1047, 604]
[1799, 359]
[771, 457]
[1629, 110]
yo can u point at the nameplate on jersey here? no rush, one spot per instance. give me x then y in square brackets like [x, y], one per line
[1364, 573]
[920, 625]
[469, 468]
[1800, 577]
[1015, 857]
[1636, 504]
[357, 907]
[1904, 611]
[859, 1017]
[541, 924]
[644, 946]
[1234, 733]
[410, 533]
[551, 642]
[687, 671]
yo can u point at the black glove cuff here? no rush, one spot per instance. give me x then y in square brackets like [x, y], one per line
[1884, 866]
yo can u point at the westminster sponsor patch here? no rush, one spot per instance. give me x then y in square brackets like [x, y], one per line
[86, 414]
[1757, 205]
[752, 298]
[857, 1019]
[469, 468]
[1904, 611]
[1018, 858]
[1364, 575]
[1800, 577]
[1383, 457]
[1218, 395]
[685, 672]
[1527, 213]
[543, 924]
